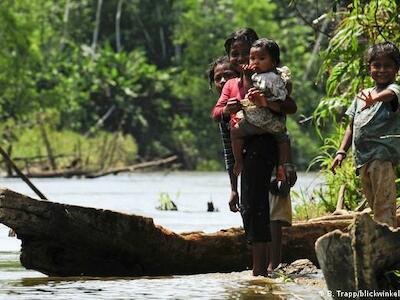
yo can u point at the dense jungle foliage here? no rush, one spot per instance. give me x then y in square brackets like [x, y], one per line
[139, 69]
[85, 74]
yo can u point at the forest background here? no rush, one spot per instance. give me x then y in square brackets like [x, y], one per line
[96, 72]
[116, 81]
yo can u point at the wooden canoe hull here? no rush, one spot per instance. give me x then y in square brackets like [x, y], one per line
[67, 240]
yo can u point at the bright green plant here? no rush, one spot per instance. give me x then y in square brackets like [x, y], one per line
[308, 208]
[345, 175]
[165, 202]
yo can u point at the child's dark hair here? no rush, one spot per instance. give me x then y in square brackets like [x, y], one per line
[246, 34]
[271, 47]
[218, 61]
[222, 60]
[387, 49]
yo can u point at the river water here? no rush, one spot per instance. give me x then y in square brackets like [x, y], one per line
[139, 193]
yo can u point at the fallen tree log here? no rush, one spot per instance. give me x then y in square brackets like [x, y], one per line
[143, 165]
[68, 173]
[67, 240]
[89, 173]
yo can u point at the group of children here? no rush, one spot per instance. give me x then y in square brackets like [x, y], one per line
[253, 103]
[233, 92]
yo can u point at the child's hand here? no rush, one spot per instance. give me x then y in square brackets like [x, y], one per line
[257, 97]
[337, 161]
[247, 70]
[232, 106]
[290, 173]
[367, 98]
[234, 202]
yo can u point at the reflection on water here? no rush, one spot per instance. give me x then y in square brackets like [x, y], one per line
[236, 285]
[139, 194]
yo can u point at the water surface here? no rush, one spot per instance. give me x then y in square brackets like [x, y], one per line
[139, 193]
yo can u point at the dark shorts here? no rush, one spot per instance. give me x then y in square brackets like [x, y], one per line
[259, 160]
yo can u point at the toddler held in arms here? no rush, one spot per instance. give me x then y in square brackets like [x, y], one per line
[265, 84]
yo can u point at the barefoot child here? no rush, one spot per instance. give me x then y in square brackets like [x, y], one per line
[262, 73]
[374, 130]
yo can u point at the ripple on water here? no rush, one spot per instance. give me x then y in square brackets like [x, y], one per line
[236, 285]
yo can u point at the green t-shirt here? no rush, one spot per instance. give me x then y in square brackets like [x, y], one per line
[376, 130]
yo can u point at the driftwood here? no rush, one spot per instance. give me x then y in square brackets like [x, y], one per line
[332, 217]
[88, 173]
[65, 240]
[11, 163]
[68, 173]
[132, 168]
[356, 261]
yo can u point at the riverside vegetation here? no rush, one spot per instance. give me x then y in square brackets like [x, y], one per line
[111, 82]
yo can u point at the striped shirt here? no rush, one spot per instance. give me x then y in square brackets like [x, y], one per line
[224, 130]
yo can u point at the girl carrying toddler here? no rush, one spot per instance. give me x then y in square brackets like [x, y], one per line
[263, 73]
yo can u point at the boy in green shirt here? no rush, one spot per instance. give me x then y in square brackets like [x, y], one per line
[374, 131]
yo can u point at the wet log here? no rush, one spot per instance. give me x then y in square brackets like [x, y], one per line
[67, 240]
[359, 259]
[298, 240]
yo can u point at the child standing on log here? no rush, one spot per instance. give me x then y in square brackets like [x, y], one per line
[374, 130]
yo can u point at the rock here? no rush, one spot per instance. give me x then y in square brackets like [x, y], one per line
[358, 260]
[300, 267]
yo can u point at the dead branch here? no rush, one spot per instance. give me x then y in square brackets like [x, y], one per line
[132, 168]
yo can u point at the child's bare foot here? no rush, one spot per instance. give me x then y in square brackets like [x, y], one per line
[260, 273]
[238, 167]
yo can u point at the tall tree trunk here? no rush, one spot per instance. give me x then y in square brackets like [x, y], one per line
[118, 25]
[65, 21]
[97, 25]
[162, 34]
[316, 48]
[147, 35]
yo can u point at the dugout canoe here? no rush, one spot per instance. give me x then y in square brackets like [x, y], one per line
[364, 259]
[68, 240]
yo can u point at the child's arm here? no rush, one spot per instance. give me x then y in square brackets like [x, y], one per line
[344, 146]
[288, 106]
[371, 98]
[225, 105]
[234, 197]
